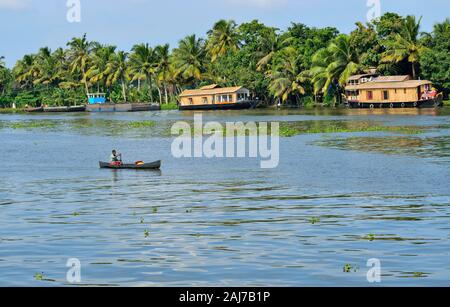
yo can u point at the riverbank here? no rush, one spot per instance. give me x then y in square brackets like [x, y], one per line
[174, 106]
[11, 110]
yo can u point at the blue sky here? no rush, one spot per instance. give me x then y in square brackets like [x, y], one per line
[30, 24]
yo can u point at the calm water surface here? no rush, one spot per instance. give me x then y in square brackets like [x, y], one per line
[225, 222]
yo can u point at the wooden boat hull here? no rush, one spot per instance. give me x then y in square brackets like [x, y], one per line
[34, 110]
[147, 166]
[226, 106]
[122, 107]
[429, 103]
[64, 109]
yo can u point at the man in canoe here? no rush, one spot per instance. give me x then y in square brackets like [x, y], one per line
[116, 158]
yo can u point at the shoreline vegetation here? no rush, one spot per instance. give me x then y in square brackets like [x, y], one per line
[300, 66]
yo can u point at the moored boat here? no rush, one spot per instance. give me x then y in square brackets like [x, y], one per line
[122, 107]
[213, 97]
[372, 91]
[34, 110]
[65, 109]
[139, 166]
[97, 103]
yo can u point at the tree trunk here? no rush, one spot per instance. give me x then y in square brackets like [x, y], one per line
[413, 70]
[124, 94]
[85, 82]
[165, 93]
[150, 87]
[160, 95]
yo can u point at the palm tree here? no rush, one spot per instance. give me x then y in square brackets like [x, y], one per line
[117, 71]
[222, 39]
[442, 28]
[2, 62]
[317, 74]
[285, 76]
[164, 68]
[45, 66]
[143, 65]
[25, 71]
[189, 58]
[100, 60]
[332, 66]
[344, 61]
[272, 43]
[79, 57]
[405, 45]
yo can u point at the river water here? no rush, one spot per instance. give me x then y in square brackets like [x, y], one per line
[336, 200]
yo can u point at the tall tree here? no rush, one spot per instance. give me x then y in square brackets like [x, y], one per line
[344, 61]
[25, 71]
[272, 43]
[79, 57]
[189, 59]
[100, 59]
[164, 69]
[223, 38]
[143, 65]
[285, 76]
[117, 71]
[405, 45]
[435, 60]
[334, 65]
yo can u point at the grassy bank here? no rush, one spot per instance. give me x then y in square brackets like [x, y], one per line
[10, 110]
[169, 106]
[447, 103]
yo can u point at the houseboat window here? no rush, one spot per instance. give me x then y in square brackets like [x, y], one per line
[369, 95]
[404, 91]
[230, 98]
[385, 95]
[242, 96]
[205, 100]
[191, 101]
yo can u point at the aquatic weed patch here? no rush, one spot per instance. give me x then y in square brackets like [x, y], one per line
[32, 124]
[433, 147]
[289, 129]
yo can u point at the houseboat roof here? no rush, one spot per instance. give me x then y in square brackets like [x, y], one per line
[209, 87]
[388, 85]
[211, 90]
[357, 77]
[392, 78]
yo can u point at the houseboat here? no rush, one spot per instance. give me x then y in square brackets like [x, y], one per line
[213, 97]
[373, 91]
[97, 103]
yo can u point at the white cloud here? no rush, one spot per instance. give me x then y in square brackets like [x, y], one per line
[14, 4]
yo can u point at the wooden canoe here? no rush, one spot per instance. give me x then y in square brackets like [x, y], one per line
[154, 165]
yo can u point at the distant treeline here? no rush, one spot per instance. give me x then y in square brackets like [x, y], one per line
[301, 65]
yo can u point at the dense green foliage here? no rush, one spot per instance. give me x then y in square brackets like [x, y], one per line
[301, 65]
